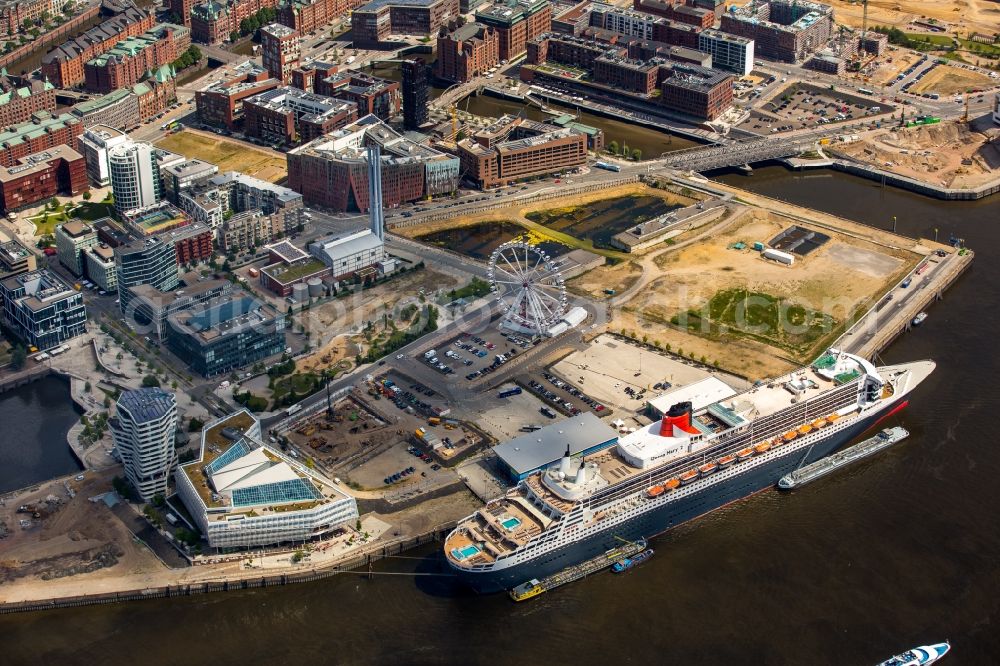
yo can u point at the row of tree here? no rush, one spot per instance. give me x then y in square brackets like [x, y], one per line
[249, 26]
[624, 151]
[190, 57]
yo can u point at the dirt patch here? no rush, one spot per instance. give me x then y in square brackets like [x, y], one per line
[227, 155]
[978, 15]
[784, 314]
[948, 79]
[68, 537]
[595, 283]
[887, 72]
[947, 153]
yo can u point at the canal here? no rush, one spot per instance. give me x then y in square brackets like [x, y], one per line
[896, 551]
[35, 419]
[651, 142]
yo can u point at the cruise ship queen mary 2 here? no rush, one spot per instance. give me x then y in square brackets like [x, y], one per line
[686, 464]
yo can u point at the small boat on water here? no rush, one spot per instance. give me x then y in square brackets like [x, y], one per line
[823, 466]
[919, 656]
[919, 319]
[621, 566]
[525, 591]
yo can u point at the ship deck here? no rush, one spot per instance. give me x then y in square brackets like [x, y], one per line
[501, 526]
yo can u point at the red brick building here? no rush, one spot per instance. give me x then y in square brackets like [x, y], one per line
[696, 91]
[19, 99]
[156, 93]
[64, 65]
[638, 76]
[308, 15]
[513, 149]
[371, 94]
[193, 242]
[280, 49]
[130, 60]
[291, 116]
[466, 52]
[221, 104]
[181, 10]
[41, 176]
[569, 50]
[517, 22]
[213, 21]
[677, 11]
[42, 132]
[373, 22]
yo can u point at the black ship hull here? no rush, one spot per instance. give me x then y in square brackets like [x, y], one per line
[663, 518]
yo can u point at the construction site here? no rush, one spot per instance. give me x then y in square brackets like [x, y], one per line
[949, 154]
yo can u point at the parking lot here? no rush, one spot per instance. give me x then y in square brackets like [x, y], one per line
[622, 375]
[474, 355]
[401, 473]
[514, 414]
[803, 106]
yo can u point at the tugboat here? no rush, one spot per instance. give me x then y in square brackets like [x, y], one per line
[919, 656]
[623, 565]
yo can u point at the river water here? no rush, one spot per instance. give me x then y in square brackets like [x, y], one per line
[34, 420]
[896, 551]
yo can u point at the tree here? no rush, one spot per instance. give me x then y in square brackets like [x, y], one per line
[636, 154]
[625, 150]
[86, 387]
[613, 147]
[150, 381]
[86, 195]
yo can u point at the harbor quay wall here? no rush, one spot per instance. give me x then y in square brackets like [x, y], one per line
[913, 185]
[236, 582]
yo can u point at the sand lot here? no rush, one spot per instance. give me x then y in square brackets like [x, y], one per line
[76, 538]
[947, 79]
[977, 15]
[947, 153]
[754, 317]
[227, 155]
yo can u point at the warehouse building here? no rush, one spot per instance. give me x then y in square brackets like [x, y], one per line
[527, 454]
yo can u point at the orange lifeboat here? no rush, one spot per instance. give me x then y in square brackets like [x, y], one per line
[743, 454]
[688, 476]
[708, 468]
[655, 492]
[790, 435]
[726, 461]
[762, 447]
[805, 429]
[819, 423]
[671, 484]
[833, 417]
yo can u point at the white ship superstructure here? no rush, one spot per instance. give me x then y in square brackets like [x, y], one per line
[682, 466]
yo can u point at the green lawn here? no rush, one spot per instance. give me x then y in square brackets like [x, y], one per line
[769, 319]
[936, 40]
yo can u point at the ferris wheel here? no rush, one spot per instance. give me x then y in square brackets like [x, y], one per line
[528, 287]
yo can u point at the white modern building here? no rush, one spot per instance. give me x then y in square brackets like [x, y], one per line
[243, 493]
[143, 429]
[623, 21]
[135, 176]
[730, 52]
[100, 263]
[94, 146]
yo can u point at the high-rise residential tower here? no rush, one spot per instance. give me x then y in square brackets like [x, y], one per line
[143, 430]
